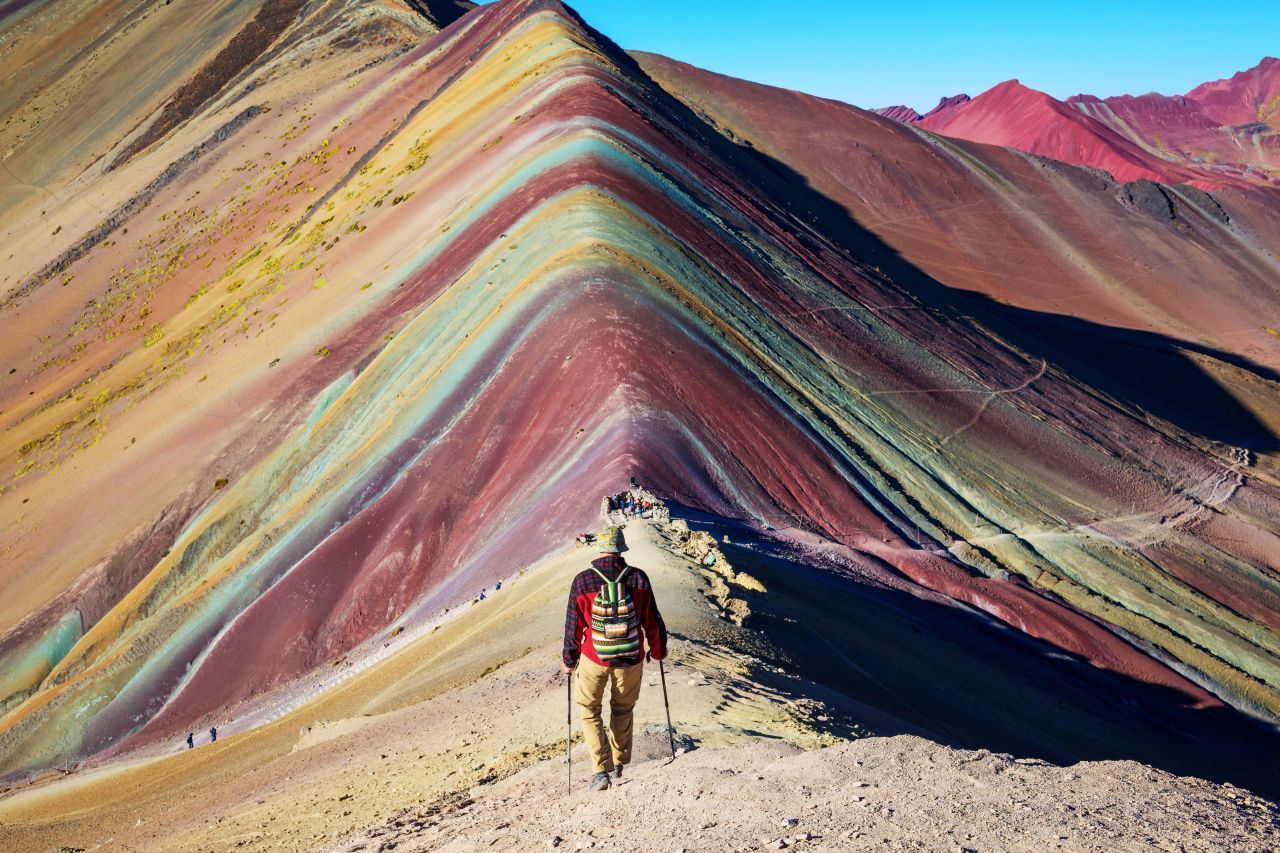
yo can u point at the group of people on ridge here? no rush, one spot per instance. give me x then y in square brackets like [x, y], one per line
[628, 504]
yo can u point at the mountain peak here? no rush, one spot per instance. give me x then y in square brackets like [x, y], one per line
[1266, 67]
[1180, 139]
[899, 112]
[1245, 97]
[947, 102]
[1014, 88]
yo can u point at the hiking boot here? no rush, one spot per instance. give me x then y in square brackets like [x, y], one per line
[617, 772]
[601, 781]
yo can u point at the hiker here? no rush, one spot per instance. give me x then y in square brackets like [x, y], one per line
[497, 586]
[213, 734]
[610, 616]
[191, 740]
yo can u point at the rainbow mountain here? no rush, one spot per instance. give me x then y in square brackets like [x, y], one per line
[358, 317]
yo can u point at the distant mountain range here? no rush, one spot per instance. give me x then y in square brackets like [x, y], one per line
[1222, 133]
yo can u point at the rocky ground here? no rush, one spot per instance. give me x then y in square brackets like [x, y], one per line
[900, 792]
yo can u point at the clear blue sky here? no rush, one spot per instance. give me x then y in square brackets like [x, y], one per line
[901, 52]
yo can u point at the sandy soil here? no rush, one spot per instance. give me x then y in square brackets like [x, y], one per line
[457, 741]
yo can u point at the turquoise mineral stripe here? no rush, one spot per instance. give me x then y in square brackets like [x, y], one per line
[596, 139]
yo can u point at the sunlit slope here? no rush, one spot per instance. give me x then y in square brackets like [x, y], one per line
[89, 85]
[388, 340]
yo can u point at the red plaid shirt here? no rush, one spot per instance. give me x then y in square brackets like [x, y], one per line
[577, 617]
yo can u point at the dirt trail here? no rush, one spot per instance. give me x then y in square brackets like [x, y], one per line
[457, 741]
[901, 792]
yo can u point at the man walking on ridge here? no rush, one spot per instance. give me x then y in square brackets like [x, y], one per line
[611, 614]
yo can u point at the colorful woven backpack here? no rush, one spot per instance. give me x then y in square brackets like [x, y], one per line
[614, 630]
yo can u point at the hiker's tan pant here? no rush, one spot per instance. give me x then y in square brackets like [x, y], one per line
[624, 689]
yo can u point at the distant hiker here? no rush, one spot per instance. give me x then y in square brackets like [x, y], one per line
[497, 586]
[213, 734]
[191, 740]
[611, 614]
[482, 595]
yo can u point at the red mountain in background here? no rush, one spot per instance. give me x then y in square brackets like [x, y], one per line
[1222, 133]
[898, 112]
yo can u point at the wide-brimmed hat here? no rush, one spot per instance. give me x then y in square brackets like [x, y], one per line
[610, 540]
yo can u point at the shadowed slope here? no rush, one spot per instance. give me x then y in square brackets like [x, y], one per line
[492, 277]
[90, 84]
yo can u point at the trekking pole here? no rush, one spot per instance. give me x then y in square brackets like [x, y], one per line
[568, 744]
[671, 732]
